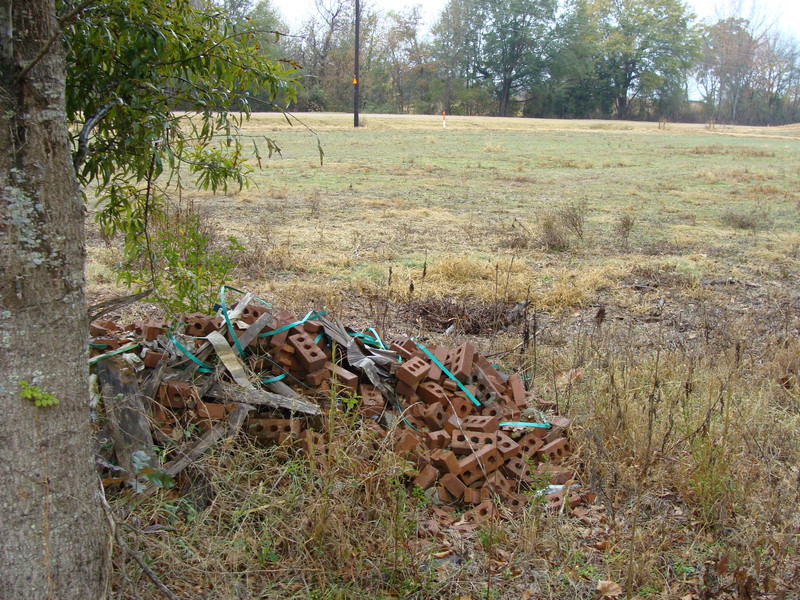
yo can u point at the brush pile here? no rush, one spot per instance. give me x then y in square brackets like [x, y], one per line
[473, 434]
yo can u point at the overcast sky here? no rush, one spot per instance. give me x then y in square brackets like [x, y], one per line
[786, 13]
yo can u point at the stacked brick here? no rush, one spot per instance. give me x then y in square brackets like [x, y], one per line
[448, 415]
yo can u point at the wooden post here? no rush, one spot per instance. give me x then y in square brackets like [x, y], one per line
[355, 66]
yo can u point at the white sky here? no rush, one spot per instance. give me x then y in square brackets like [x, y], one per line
[786, 13]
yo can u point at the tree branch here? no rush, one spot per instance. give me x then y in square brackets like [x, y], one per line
[80, 155]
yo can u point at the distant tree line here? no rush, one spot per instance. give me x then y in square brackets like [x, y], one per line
[631, 59]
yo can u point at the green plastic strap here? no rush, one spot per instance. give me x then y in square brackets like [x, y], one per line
[203, 366]
[227, 319]
[276, 378]
[523, 424]
[367, 339]
[377, 337]
[449, 374]
[124, 348]
[309, 317]
[318, 338]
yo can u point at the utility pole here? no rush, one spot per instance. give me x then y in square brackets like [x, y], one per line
[355, 69]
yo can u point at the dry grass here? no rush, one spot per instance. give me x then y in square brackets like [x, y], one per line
[687, 414]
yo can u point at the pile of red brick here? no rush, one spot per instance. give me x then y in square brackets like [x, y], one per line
[461, 421]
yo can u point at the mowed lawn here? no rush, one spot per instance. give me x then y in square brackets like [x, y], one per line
[700, 203]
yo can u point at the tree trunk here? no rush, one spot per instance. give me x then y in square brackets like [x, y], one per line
[53, 541]
[622, 105]
[505, 98]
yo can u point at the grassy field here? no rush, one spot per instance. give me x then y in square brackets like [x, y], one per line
[684, 393]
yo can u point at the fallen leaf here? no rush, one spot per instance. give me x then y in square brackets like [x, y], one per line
[609, 589]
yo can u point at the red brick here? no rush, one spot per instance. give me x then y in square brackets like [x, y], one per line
[110, 341]
[273, 428]
[438, 439]
[487, 389]
[209, 410]
[451, 385]
[514, 502]
[418, 423]
[461, 362]
[407, 442]
[310, 356]
[485, 510]
[344, 378]
[95, 330]
[400, 351]
[517, 390]
[441, 354]
[472, 495]
[458, 405]
[315, 378]
[453, 485]
[473, 466]
[481, 423]
[446, 461]
[405, 390]
[434, 416]
[427, 477]
[452, 423]
[554, 474]
[517, 469]
[555, 451]
[496, 409]
[151, 359]
[444, 495]
[310, 442]
[177, 394]
[412, 371]
[152, 329]
[431, 392]
[416, 409]
[467, 442]
[498, 483]
[372, 402]
[507, 447]
[530, 445]
[556, 501]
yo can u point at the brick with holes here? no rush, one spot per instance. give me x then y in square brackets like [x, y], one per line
[431, 392]
[434, 416]
[508, 448]
[530, 444]
[461, 359]
[555, 451]
[467, 442]
[413, 371]
[477, 465]
[308, 353]
[481, 423]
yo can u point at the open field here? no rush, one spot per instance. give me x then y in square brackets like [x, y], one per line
[683, 388]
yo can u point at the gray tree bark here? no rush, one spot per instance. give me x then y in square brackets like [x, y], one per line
[53, 540]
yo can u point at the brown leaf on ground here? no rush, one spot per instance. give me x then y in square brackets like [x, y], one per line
[609, 589]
